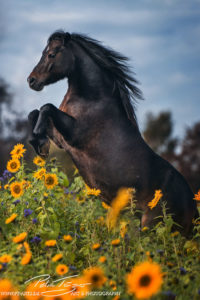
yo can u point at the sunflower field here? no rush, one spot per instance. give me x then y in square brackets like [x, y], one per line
[58, 240]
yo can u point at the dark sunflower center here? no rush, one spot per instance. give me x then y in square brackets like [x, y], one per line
[18, 151]
[49, 180]
[145, 280]
[74, 289]
[17, 189]
[95, 278]
[13, 165]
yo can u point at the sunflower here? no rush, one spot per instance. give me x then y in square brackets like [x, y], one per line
[123, 228]
[27, 247]
[115, 242]
[39, 161]
[19, 247]
[50, 243]
[102, 259]
[197, 196]
[57, 257]
[175, 233]
[145, 228]
[90, 191]
[157, 196]
[104, 205]
[144, 280]
[13, 165]
[96, 246]
[16, 189]
[80, 200]
[10, 219]
[6, 287]
[67, 238]
[40, 173]
[62, 269]
[117, 297]
[18, 151]
[5, 258]
[26, 184]
[76, 288]
[26, 258]
[123, 197]
[34, 291]
[19, 238]
[95, 276]
[50, 180]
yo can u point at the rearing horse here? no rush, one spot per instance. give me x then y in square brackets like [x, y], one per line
[96, 125]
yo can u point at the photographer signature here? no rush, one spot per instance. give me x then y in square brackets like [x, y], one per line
[62, 286]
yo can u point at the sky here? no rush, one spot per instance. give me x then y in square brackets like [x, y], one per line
[161, 38]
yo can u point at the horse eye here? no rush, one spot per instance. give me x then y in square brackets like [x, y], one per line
[51, 55]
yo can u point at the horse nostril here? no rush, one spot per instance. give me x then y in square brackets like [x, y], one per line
[31, 80]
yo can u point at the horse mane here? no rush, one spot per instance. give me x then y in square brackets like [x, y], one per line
[114, 63]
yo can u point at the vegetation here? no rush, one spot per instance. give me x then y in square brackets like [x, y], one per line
[49, 225]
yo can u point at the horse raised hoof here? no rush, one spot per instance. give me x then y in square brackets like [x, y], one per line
[41, 146]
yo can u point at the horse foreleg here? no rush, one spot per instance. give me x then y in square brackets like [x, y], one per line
[40, 143]
[50, 115]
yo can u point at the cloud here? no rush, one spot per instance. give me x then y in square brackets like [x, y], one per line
[160, 37]
[179, 78]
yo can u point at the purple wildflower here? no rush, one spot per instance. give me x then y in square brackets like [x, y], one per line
[160, 251]
[36, 239]
[4, 265]
[16, 202]
[77, 235]
[183, 271]
[72, 268]
[169, 294]
[6, 174]
[66, 191]
[34, 220]
[27, 212]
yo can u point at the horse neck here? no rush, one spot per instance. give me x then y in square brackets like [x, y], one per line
[87, 78]
[89, 82]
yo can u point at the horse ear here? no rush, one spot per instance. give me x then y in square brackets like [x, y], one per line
[67, 37]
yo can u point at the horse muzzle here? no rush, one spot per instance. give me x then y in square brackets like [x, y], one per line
[35, 84]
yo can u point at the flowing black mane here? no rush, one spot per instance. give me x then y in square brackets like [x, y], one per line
[114, 63]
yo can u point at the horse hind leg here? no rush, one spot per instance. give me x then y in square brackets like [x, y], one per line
[151, 218]
[40, 143]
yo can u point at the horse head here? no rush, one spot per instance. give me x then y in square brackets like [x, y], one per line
[56, 63]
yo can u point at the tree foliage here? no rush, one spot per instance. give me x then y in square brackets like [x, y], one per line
[158, 133]
[188, 160]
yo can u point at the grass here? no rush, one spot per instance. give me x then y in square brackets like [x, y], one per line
[67, 209]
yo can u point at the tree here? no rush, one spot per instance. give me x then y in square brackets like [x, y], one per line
[158, 134]
[188, 160]
[13, 128]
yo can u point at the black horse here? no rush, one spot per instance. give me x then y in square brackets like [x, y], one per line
[97, 126]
